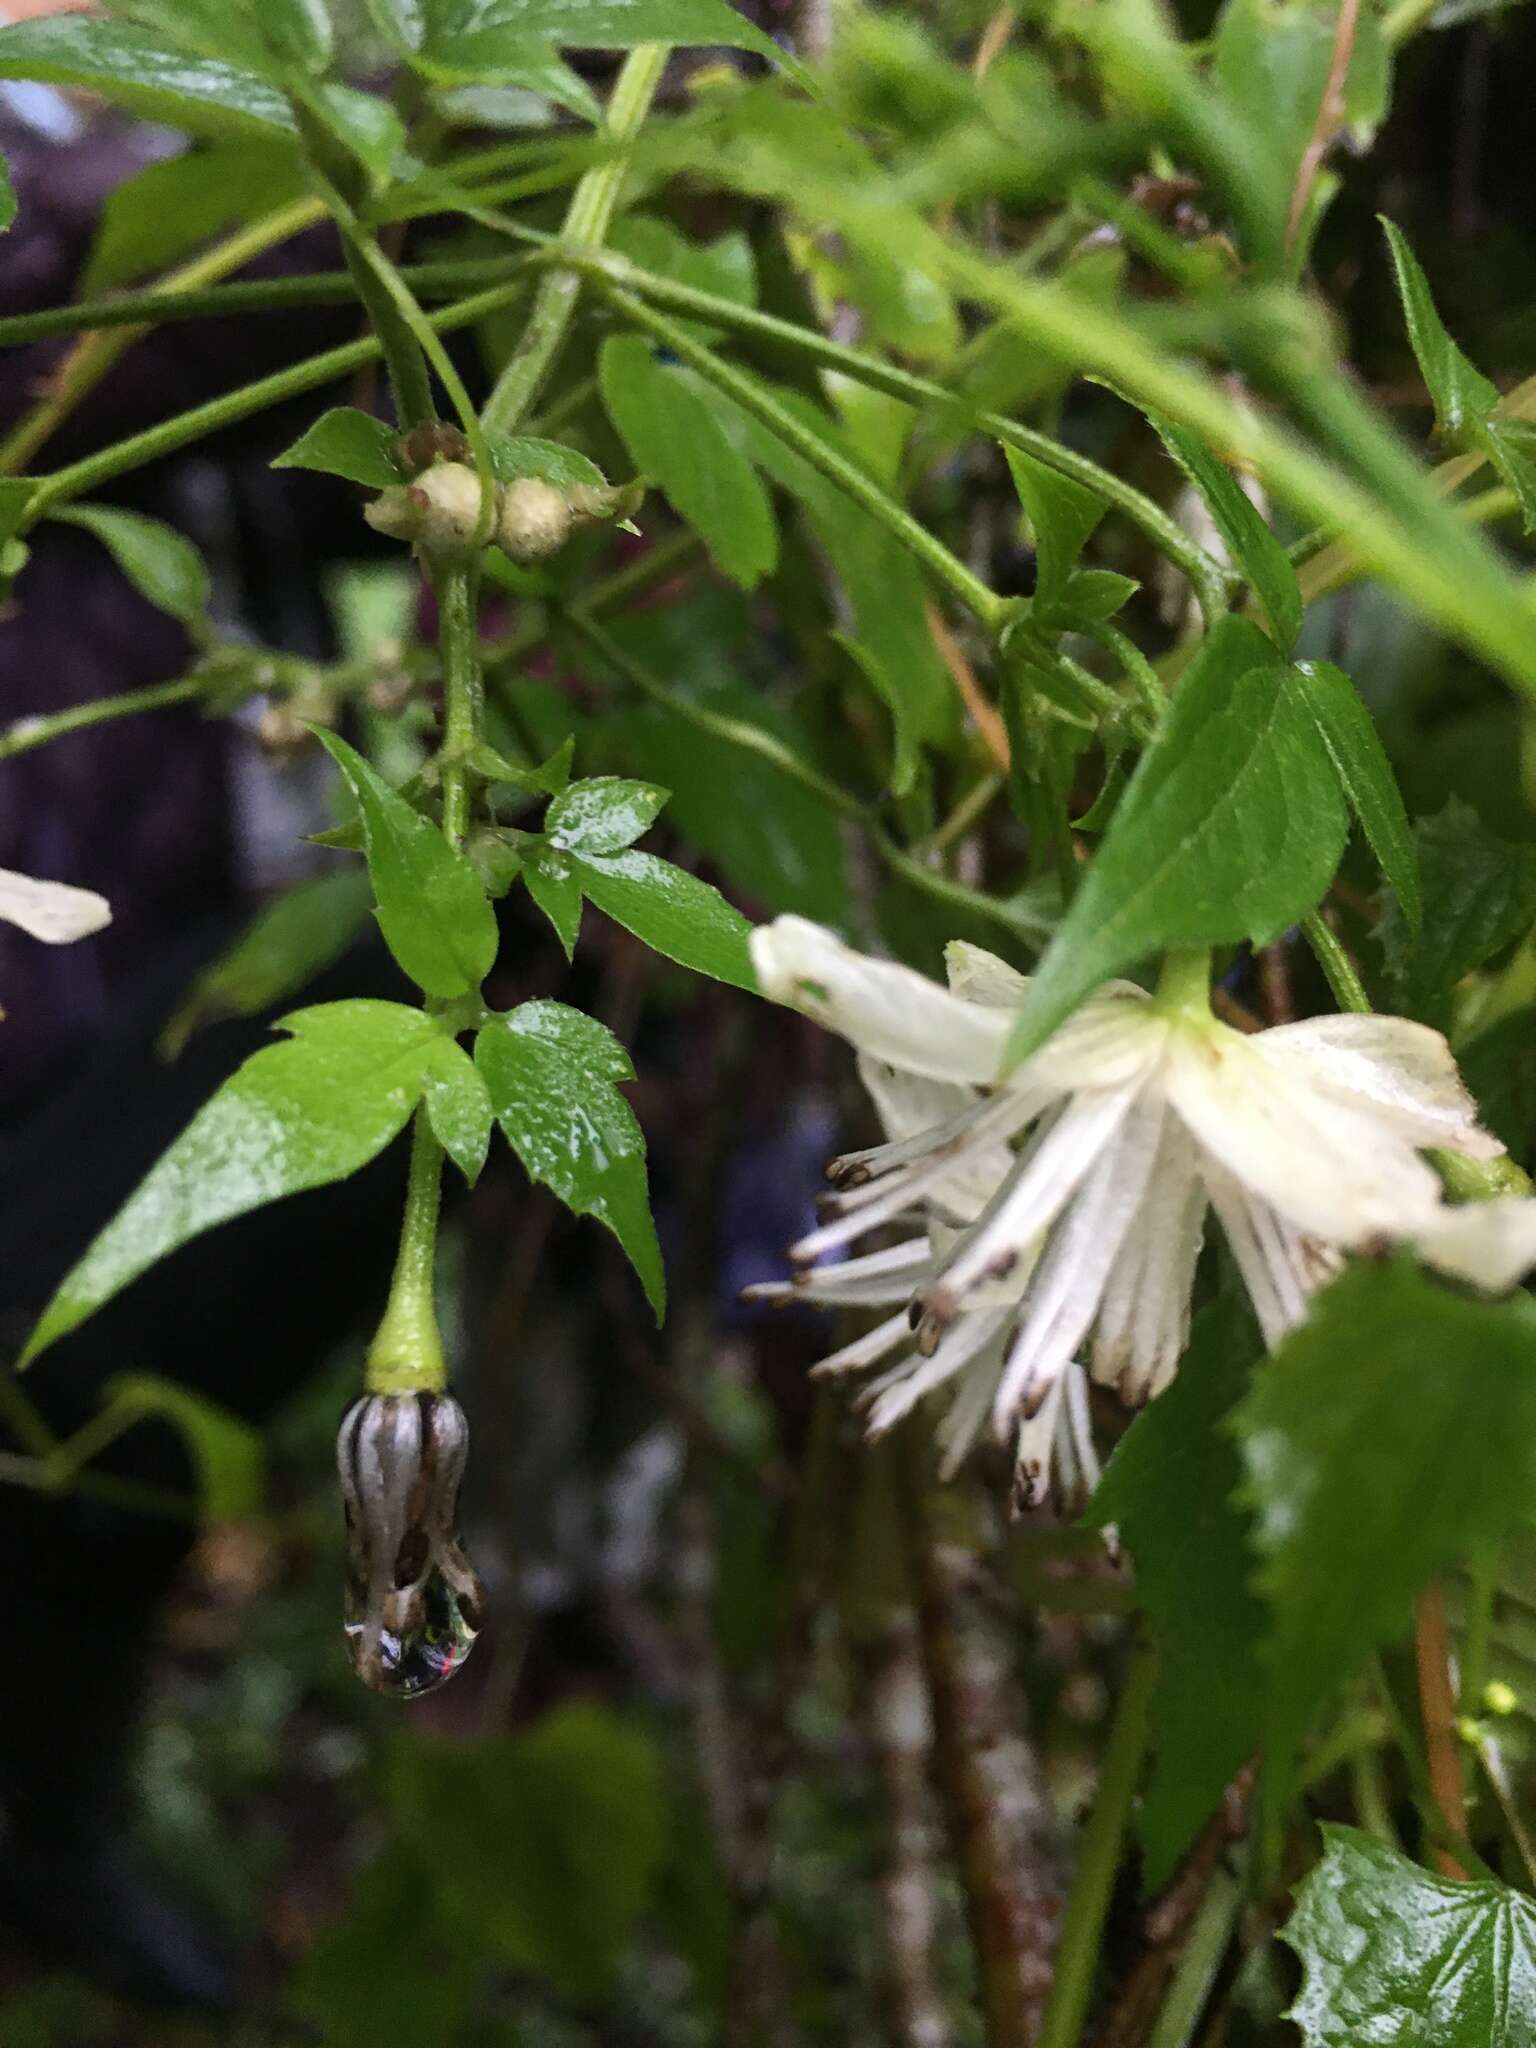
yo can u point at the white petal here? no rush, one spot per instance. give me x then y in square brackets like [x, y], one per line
[54, 912]
[880, 1007]
[868, 1349]
[1068, 1283]
[898, 1392]
[1029, 1202]
[1334, 1170]
[1489, 1243]
[1280, 1269]
[1113, 1041]
[1401, 1071]
[1143, 1324]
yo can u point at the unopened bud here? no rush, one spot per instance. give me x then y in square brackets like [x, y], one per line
[535, 520]
[413, 1603]
[439, 511]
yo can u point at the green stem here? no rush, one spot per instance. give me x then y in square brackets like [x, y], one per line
[84, 368]
[159, 305]
[587, 220]
[26, 733]
[1207, 1944]
[406, 1355]
[1082, 1927]
[187, 427]
[1338, 969]
[457, 592]
[836, 467]
[1184, 982]
[1138, 671]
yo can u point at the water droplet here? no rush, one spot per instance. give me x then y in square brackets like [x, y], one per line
[423, 1635]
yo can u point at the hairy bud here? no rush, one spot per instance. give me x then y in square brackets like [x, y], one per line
[413, 1603]
[439, 511]
[535, 521]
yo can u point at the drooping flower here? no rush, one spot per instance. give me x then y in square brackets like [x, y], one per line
[1061, 1209]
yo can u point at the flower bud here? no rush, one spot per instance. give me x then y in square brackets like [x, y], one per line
[535, 519]
[439, 511]
[413, 1603]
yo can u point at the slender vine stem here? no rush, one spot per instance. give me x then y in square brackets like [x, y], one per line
[837, 468]
[1082, 1926]
[1196, 1972]
[457, 591]
[95, 354]
[24, 734]
[1338, 969]
[587, 220]
[183, 428]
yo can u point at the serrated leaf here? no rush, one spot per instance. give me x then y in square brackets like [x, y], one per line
[1366, 776]
[226, 1451]
[520, 455]
[554, 883]
[1169, 1488]
[1510, 446]
[432, 910]
[159, 562]
[551, 1072]
[1391, 1393]
[1062, 516]
[582, 1792]
[1231, 828]
[472, 36]
[1399, 1958]
[284, 946]
[297, 1115]
[1253, 548]
[349, 443]
[672, 911]
[1479, 896]
[602, 814]
[168, 209]
[1461, 394]
[676, 441]
[458, 1106]
[137, 70]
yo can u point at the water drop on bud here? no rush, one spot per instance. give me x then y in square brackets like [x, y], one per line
[413, 1603]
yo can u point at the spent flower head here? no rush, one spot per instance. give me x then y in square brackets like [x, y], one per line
[1059, 1211]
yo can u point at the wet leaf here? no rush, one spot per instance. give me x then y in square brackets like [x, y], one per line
[602, 814]
[672, 911]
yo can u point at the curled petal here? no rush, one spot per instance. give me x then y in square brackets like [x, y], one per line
[1400, 1071]
[1489, 1243]
[54, 912]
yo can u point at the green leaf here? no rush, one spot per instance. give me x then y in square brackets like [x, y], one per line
[546, 1844]
[1169, 1487]
[402, 23]
[555, 885]
[726, 268]
[603, 814]
[7, 196]
[1392, 1393]
[298, 32]
[1249, 541]
[297, 1115]
[458, 1106]
[1231, 828]
[1366, 776]
[1399, 1958]
[366, 125]
[432, 910]
[676, 440]
[158, 561]
[1461, 394]
[520, 455]
[349, 443]
[166, 210]
[1479, 897]
[139, 71]
[16, 494]
[1062, 516]
[1510, 446]
[284, 946]
[472, 36]
[672, 911]
[226, 1451]
[551, 1072]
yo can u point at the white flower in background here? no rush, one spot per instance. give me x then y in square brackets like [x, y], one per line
[1064, 1206]
[52, 911]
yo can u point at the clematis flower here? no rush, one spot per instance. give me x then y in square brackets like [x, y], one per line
[1061, 1209]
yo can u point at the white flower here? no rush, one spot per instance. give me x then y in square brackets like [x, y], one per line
[1063, 1207]
[52, 911]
